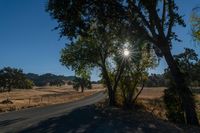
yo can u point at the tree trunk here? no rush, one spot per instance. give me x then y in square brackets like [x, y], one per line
[134, 100]
[111, 92]
[184, 92]
[82, 88]
[112, 100]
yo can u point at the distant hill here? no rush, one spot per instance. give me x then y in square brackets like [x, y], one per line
[42, 80]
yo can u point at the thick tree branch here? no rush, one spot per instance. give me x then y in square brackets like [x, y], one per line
[118, 75]
[134, 100]
[104, 71]
[154, 16]
[135, 9]
[163, 14]
[171, 19]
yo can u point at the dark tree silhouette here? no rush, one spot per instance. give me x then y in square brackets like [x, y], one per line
[158, 29]
[187, 61]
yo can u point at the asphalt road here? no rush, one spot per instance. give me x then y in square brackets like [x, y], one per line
[13, 122]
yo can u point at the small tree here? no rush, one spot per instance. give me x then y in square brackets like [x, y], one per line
[135, 72]
[56, 82]
[13, 78]
[174, 109]
[82, 83]
[82, 80]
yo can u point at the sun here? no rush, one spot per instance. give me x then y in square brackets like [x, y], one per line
[126, 52]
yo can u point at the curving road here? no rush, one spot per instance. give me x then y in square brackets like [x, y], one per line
[17, 121]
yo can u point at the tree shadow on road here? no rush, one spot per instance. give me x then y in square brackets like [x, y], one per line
[89, 119]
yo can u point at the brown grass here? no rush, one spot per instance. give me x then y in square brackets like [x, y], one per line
[152, 92]
[43, 96]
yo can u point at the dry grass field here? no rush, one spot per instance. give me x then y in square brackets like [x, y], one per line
[43, 96]
[152, 92]
[151, 99]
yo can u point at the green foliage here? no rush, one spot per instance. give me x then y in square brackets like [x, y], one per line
[195, 23]
[83, 81]
[75, 18]
[13, 78]
[135, 73]
[174, 110]
[189, 65]
[128, 86]
[26, 84]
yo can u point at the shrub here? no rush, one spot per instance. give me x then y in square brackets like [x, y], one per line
[174, 110]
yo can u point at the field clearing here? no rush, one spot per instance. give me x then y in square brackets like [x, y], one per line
[41, 96]
[152, 92]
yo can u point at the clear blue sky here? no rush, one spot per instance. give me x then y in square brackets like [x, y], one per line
[28, 42]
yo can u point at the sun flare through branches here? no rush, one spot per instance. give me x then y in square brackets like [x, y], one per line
[126, 52]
